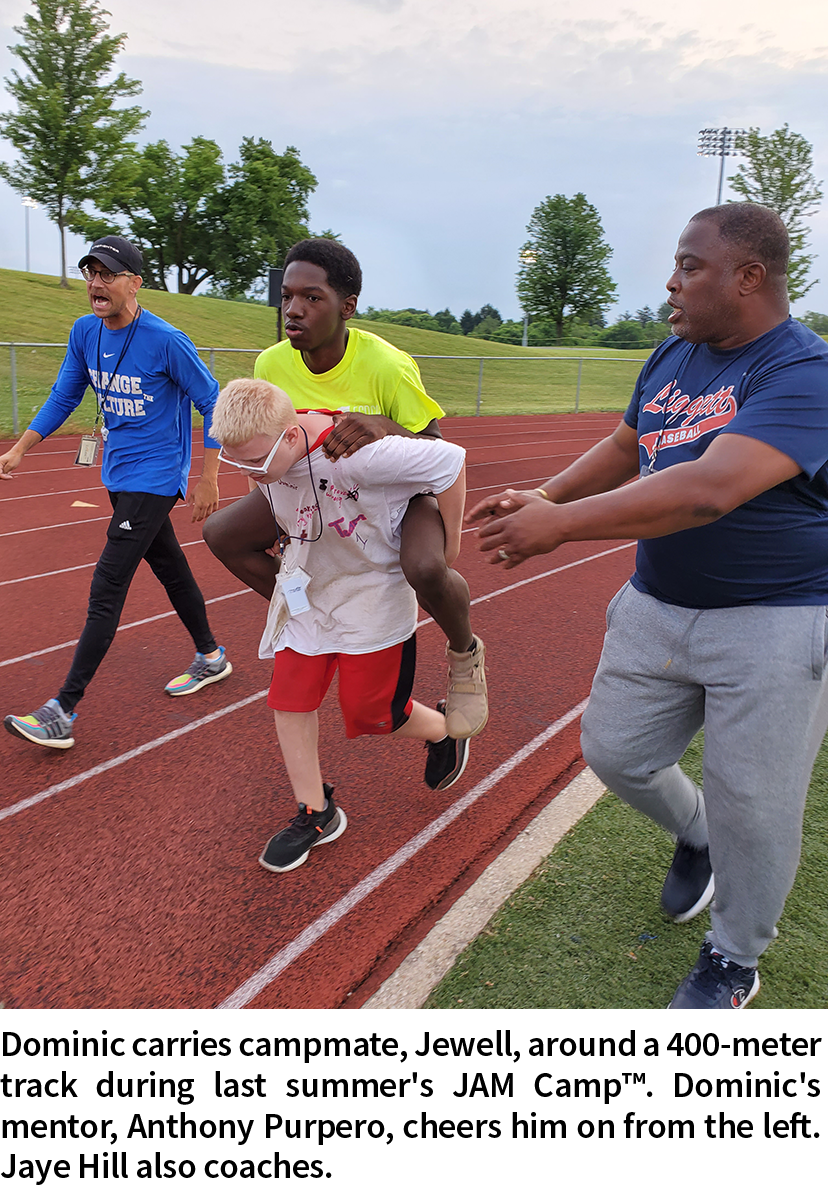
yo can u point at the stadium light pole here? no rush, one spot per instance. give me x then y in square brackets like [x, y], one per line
[29, 204]
[719, 143]
[527, 257]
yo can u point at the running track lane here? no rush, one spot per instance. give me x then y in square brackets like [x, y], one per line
[138, 885]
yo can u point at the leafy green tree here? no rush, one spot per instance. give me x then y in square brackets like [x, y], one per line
[645, 316]
[778, 172]
[67, 132]
[817, 322]
[563, 262]
[663, 312]
[467, 322]
[192, 215]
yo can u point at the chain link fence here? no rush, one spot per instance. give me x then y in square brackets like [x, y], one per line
[463, 385]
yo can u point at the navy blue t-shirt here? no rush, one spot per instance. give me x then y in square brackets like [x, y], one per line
[773, 550]
[147, 376]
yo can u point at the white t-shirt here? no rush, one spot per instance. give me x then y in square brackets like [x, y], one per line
[359, 599]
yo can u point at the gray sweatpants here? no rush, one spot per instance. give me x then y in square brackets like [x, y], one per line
[755, 678]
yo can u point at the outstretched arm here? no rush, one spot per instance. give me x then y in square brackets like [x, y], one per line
[734, 469]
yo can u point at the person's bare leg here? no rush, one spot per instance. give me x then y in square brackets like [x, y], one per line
[298, 734]
[423, 724]
[441, 591]
[241, 536]
[444, 595]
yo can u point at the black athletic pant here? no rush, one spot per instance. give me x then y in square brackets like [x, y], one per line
[140, 530]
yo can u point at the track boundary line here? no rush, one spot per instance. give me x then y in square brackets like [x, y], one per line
[123, 627]
[271, 970]
[74, 568]
[79, 778]
[423, 622]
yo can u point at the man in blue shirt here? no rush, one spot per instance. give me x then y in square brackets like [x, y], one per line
[723, 624]
[145, 375]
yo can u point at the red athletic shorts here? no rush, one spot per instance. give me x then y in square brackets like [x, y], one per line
[374, 687]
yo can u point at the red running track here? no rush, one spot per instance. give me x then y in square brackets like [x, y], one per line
[130, 861]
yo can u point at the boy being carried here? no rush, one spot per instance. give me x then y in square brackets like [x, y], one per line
[341, 599]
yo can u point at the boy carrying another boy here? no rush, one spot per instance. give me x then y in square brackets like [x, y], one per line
[341, 600]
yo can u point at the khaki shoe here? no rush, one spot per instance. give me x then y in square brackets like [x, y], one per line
[467, 705]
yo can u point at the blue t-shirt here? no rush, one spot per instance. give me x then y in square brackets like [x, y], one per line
[146, 375]
[773, 550]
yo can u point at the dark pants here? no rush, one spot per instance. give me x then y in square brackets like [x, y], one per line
[140, 530]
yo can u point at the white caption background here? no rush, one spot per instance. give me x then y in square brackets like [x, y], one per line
[410, 1105]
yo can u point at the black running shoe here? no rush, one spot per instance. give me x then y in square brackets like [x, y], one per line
[446, 759]
[289, 848]
[688, 887]
[717, 982]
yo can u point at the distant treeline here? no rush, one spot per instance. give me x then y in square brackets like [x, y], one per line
[644, 329]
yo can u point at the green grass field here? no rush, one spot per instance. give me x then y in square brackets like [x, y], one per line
[586, 931]
[36, 310]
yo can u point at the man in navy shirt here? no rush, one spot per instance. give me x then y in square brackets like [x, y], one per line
[145, 375]
[723, 625]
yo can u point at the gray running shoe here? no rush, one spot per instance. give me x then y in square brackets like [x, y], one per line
[48, 726]
[200, 673]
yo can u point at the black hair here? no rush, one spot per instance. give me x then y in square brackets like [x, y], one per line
[341, 265]
[757, 232]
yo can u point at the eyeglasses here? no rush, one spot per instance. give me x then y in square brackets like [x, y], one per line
[257, 470]
[106, 276]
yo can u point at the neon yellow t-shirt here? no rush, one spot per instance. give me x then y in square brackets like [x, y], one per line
[371, 378]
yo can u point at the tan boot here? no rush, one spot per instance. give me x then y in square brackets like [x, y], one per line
[467, 705]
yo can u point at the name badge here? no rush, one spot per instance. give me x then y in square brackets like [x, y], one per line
[294, 585]
[88, 450]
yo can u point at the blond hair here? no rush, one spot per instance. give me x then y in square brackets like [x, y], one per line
[247, 408]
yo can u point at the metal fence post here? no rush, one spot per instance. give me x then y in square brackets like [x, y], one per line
[479, 389]
[13, 365]
[578, 386]
[212, 361]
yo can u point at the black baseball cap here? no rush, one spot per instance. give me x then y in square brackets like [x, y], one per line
[116, 253]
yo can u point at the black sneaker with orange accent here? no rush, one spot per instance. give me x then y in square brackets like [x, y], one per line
[289, 848]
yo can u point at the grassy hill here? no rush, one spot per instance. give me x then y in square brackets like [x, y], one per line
[35, 309]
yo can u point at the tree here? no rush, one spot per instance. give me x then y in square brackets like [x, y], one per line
[467, 321]
[67, 131]
[191, 214]
[817, 322]
[779, 173]
[563, 272]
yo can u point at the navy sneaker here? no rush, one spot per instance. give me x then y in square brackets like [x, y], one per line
[716, 982]
[289, 848]
[446, 760]
[48, 726]
[688, 887]
[200, 673]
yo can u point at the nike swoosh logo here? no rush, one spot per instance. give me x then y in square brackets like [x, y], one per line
[108, 357]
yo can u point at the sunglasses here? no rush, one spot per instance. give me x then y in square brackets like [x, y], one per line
[256, 469]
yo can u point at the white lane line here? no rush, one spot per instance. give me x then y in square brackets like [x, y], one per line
[264, 976]
[99, 519]
[423, 622]
[166, 614]
[73, 568]
[410, 985]
[80, 778]
[29, 497]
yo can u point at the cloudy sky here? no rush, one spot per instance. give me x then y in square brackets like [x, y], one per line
[436, 126]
